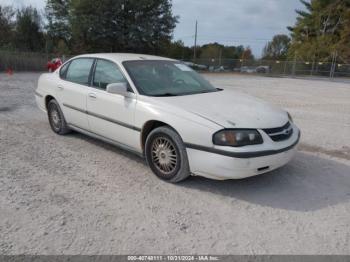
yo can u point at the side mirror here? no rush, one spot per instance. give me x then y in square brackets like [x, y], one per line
[117, 88]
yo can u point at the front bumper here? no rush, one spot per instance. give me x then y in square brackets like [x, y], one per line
[222, 165]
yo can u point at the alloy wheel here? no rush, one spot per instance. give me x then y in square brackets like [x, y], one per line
[164, 155]
[55, 117]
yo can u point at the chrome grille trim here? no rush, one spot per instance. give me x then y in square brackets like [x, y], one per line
[280, 133]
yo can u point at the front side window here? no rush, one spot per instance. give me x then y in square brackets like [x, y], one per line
[166, 78]
[79, 70]
[106, 72]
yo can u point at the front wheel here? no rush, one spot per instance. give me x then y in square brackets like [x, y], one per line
[166, 155]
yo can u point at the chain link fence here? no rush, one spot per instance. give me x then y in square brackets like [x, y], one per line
[274, 68]
[23, 61]
[338, 68]
[26, 61]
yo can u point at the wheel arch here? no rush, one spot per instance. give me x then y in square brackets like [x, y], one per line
[148, 127]
[48, 98]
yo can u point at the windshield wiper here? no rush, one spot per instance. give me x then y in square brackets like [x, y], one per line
[202, 92]
[212, 91]
[166, 94]
[189, 93]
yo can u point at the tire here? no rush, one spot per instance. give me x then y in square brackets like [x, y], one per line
[56, 118]
[166, 155]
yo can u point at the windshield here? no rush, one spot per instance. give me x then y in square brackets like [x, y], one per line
[166, 78]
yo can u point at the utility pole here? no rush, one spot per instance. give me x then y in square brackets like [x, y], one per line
[195, 44]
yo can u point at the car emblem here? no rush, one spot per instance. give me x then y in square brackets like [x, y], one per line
[287, 132]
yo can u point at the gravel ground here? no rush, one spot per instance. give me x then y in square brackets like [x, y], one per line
[76, 195]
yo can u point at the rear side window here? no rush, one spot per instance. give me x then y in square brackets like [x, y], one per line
[107, 72]
[79, 70]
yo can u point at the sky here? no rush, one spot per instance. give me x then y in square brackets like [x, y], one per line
[230, 22]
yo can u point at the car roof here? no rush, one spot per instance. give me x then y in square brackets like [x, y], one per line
[121, 57]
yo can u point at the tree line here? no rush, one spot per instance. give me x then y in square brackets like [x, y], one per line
[209, 51]
[320, 31]
[74, 27]
[146, 26]
[21, 29]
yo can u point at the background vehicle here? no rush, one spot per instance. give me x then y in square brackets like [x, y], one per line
[263, 69]
[54, 64]
[247, 69]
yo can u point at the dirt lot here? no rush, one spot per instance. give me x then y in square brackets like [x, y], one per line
[76, 195]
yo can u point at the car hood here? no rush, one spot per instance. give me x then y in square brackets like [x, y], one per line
[231, 109]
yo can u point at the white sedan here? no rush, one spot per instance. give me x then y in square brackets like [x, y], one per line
[161, 109]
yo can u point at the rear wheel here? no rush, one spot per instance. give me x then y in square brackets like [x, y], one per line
[56, 119]
[166, 155]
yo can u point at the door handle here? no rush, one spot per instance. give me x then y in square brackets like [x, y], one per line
[92, 95]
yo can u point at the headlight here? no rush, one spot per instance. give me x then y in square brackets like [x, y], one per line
[237, 137]
[290, 117]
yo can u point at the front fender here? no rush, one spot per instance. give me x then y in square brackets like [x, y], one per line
[192, 128]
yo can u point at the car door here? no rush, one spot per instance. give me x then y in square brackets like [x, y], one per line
[73, 89]
[112, 115]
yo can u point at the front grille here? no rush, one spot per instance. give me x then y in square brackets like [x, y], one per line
[280, 133]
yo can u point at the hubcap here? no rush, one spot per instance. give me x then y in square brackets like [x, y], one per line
[55, 117]
[164, 155]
